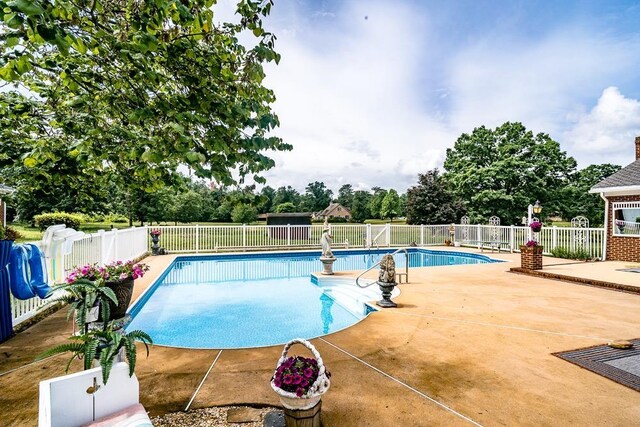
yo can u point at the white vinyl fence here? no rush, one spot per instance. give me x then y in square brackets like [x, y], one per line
[100, 248]
[127, 244]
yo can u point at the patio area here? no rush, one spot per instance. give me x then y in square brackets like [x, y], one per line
[468, 344]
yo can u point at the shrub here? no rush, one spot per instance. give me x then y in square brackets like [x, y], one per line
[3, 233]
[115, 218]
[48, 219]
[244, 214]
[562, 252]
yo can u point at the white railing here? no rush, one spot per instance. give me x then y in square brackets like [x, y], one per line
[106, 246]
[100, 248]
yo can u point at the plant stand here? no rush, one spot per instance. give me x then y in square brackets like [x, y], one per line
[155, 247]
[531, 257]
[303, 417]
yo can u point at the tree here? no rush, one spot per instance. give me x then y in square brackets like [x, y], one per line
[316, 197]
[576, 196]
[286, 194]
[286, 207]
[244, 214]
[360, 206]
[265, 203]
[500, 172]
[390, 207]
[432, 201]
[345, 196]
[375, 204]
[132, 90]
[188, 207]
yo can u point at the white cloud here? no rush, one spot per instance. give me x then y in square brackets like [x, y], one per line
[375, 101]
[349, 105]
[609, 128]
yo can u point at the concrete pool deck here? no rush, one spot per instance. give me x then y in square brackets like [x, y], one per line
[467, 344]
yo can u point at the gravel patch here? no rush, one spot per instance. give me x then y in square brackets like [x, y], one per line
[208, 417]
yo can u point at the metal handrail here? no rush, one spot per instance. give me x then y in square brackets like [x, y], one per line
[406, 253]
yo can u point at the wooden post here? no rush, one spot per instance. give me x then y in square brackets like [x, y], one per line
[303, 418]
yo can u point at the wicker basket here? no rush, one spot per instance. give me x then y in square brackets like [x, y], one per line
[318, 388]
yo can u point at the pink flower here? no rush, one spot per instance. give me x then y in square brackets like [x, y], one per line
[123, 276]
[299, 391]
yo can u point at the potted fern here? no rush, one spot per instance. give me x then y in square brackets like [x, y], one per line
[95, 343]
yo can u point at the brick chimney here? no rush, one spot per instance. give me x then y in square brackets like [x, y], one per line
[637, 147]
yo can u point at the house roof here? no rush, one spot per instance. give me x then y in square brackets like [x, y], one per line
[626, 179]
[331, 208]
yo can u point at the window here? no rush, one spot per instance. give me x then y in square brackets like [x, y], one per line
[626, 219]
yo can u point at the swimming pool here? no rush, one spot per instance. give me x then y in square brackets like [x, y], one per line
[263, 299]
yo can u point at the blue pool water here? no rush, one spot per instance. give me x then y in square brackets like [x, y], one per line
[256, 300]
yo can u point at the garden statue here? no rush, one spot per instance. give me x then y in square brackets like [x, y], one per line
[387, 280]
[326, 241]
[327, 258]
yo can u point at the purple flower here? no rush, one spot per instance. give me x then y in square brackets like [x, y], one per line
[299, 391]
[288, 379]
[308, 373]
[531, 243]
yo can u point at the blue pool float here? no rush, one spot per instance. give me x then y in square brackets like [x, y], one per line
[27, 272]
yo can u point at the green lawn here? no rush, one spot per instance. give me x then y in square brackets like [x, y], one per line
[30, 234]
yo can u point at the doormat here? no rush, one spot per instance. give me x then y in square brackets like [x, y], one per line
[621, 366]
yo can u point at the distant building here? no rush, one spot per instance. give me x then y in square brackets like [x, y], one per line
[334, 210]
[621, 192]
[291, 226]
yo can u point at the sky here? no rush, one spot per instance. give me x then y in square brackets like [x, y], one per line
[372, 93]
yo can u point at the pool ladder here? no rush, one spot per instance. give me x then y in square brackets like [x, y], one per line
[398, 275]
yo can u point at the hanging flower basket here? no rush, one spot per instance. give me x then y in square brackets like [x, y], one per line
[536, 226]
[307, 377]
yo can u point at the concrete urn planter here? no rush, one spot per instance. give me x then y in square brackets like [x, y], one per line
[531, 257]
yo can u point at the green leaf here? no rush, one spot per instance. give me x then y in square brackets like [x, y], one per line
[28, 7]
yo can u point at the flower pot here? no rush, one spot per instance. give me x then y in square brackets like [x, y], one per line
[299, 403]
[316, 390]
[124, 292]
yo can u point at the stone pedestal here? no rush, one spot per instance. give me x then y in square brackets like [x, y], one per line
[327, 263]
[155, 247]
[386, 289]
[531, 257]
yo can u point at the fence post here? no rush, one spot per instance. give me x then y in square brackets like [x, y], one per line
[479, 235]
[512, 237]
[554, 238]
[244, 237]
[103, 249]
[367, 239]
[116, 254]
[197, 238]
[421, 234]
[387, 233]
[288, 235]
